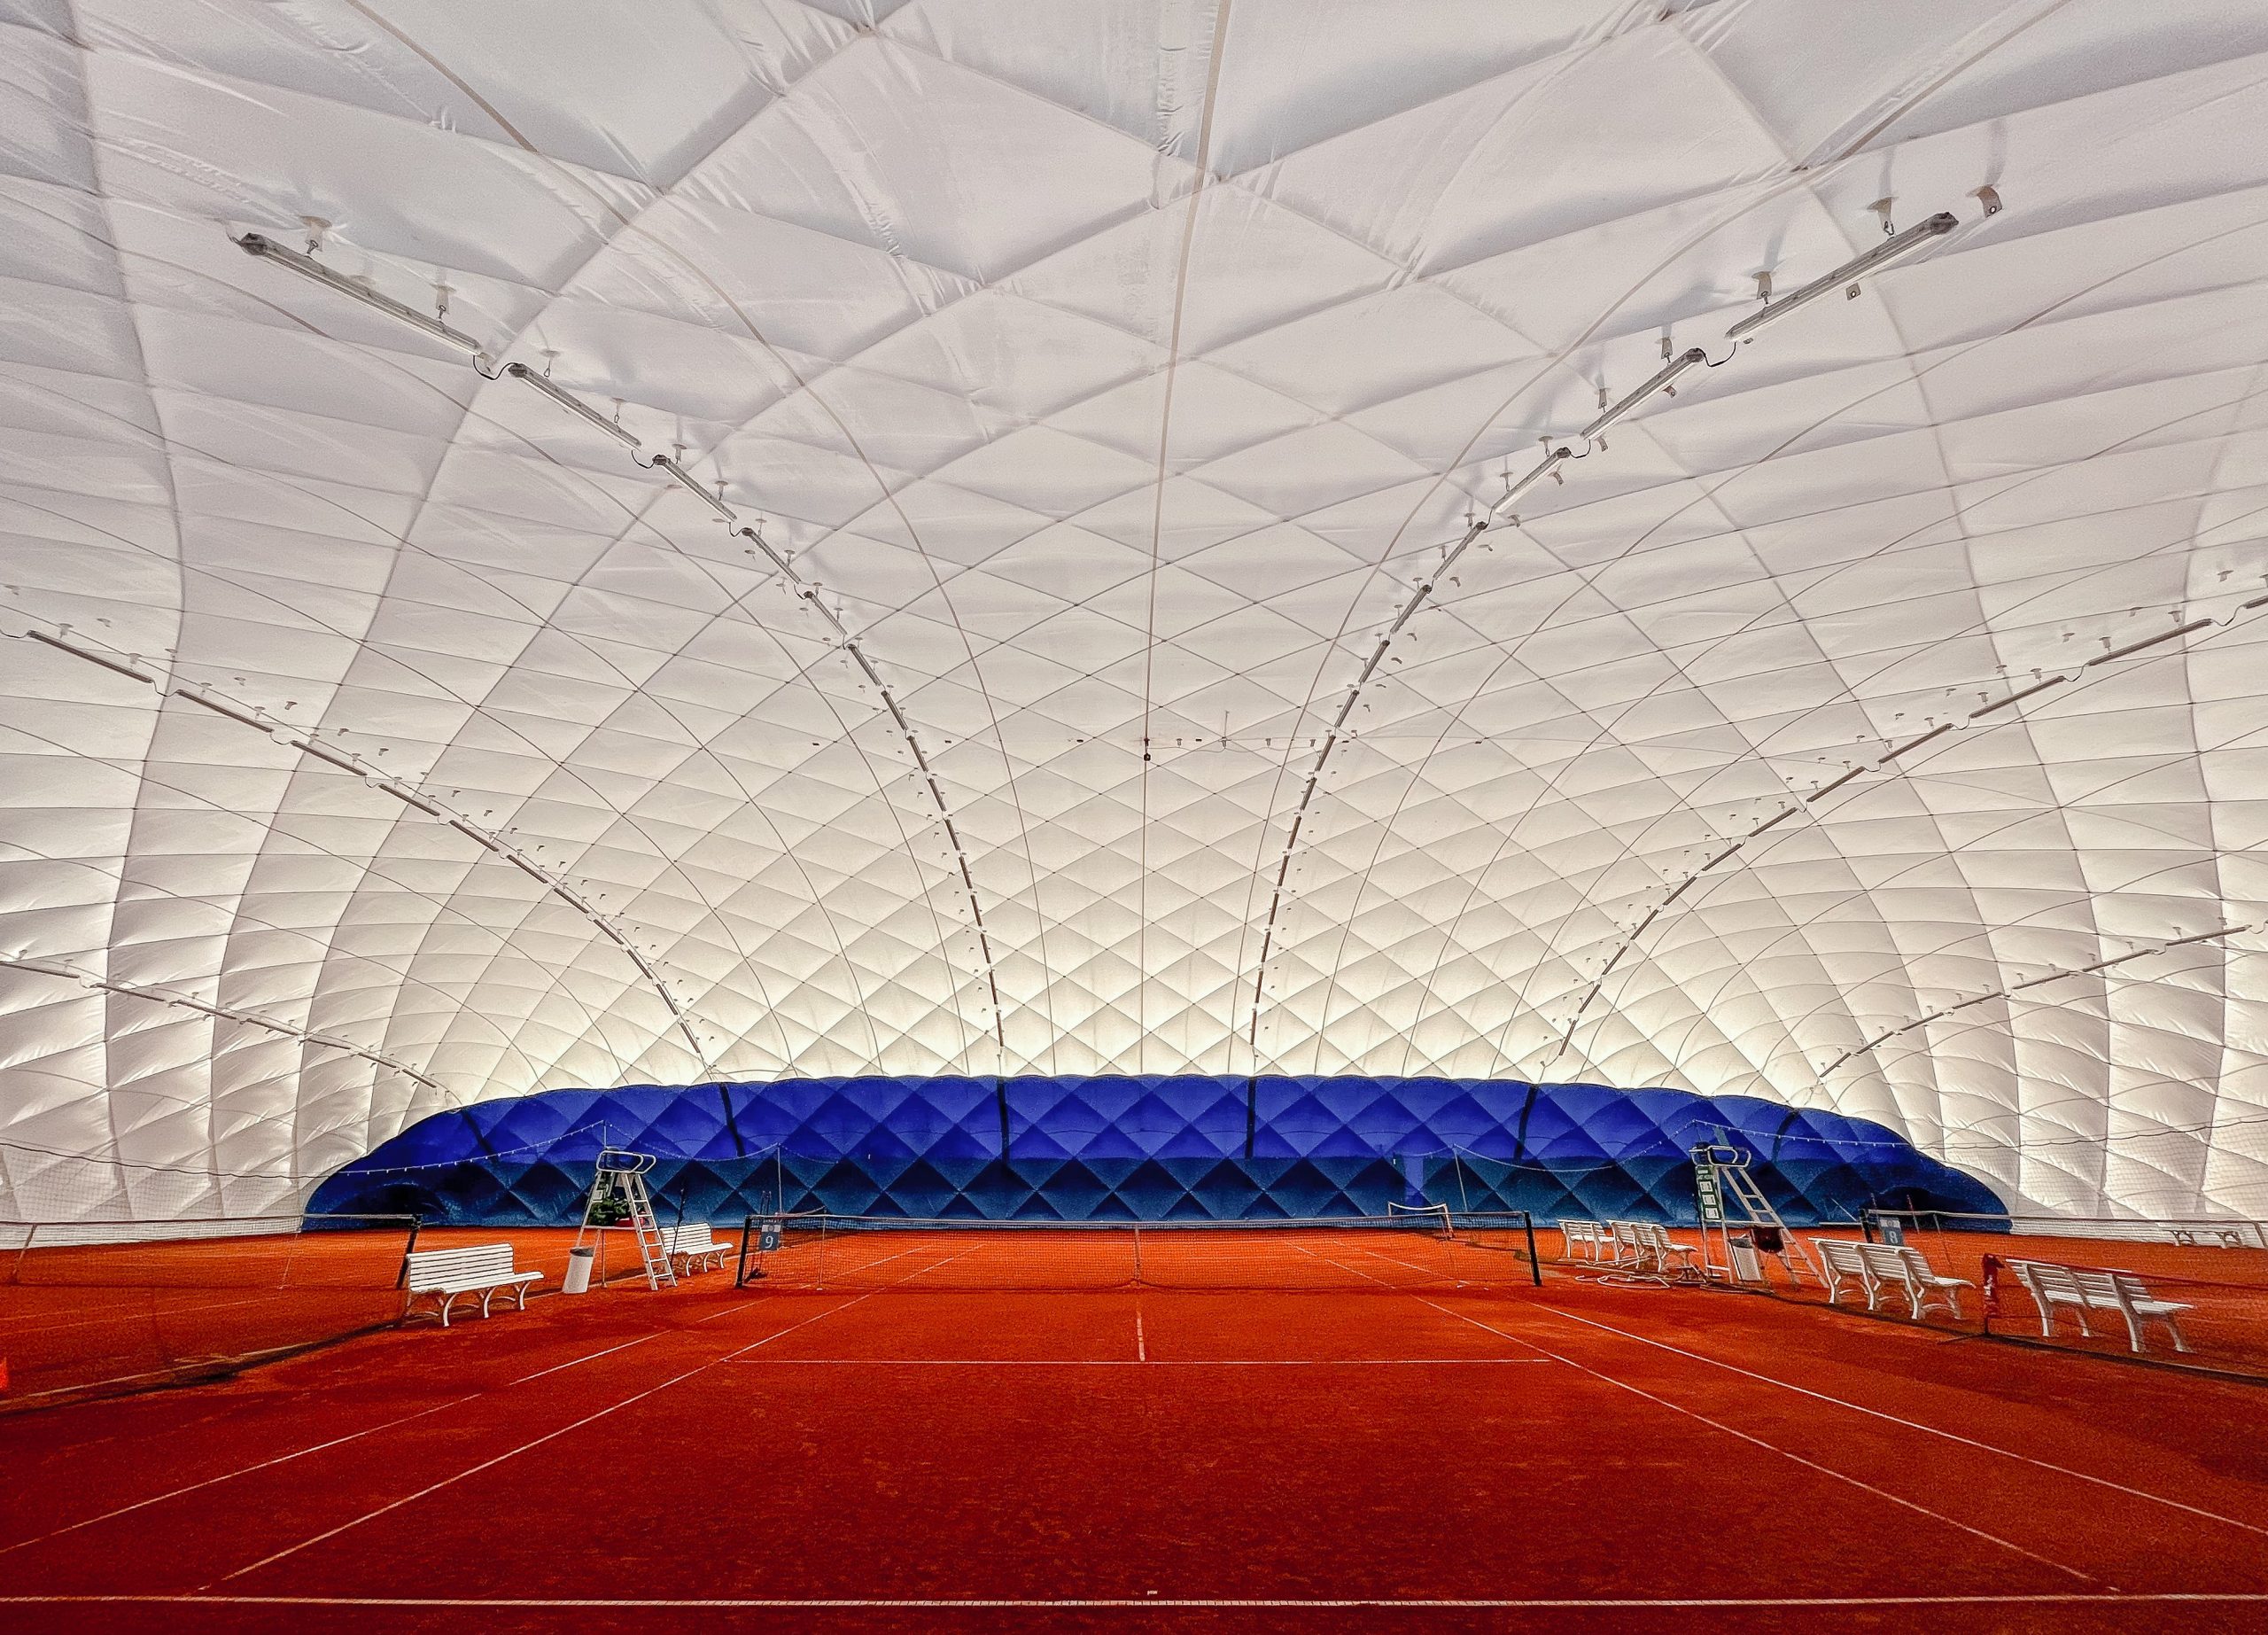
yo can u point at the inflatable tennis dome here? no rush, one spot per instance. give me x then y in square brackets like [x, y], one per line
[1137, 1148]
[1715, 546]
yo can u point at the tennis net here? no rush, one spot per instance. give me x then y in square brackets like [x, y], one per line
[1419, 1249]
[109, 1304]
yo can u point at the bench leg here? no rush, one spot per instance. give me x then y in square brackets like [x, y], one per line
[446, 1302]
[486, 1295]
[2174, 1329]
[521, 1290]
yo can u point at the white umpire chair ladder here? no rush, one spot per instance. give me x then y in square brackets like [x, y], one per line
[621, 1177]
[1731, 1203]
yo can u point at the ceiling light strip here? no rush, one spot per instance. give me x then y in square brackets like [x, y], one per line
[266, 249]
[806, 591]
[1664, 380]
[159, 995]
[1892, 752]
[574, 405]
[307, 744]
[2007, 989]
[1895, 247]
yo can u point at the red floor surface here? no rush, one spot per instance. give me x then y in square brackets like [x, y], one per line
[917, 1458]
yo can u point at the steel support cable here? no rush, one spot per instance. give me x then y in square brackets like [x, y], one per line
[1662, 381]
[309, 743]
[801, 588]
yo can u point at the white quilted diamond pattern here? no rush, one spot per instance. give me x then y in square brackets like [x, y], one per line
[379, 737]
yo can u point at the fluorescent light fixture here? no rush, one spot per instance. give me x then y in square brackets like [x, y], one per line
[1545, 467]
[663, 463]
[1874, 261]
[1661, 381]
[307, 267]
[572, 404]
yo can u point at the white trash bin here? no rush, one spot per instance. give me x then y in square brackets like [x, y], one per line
[578, 1270]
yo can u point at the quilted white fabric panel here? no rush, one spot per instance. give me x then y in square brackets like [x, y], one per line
[1107, 377]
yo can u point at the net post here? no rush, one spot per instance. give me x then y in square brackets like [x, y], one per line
[1867, 1226]
[402, 1278]
[1535, 1266]
[740, 1272]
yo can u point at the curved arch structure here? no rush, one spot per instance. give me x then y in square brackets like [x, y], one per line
[1709, 546]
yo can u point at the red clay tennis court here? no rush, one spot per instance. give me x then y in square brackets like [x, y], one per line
[939, 1442]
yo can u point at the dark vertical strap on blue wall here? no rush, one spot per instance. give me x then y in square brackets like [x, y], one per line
[1780, 1133]
[1251, 1113]
[1000, 1095]
[1519, 1134]
[732, 1121]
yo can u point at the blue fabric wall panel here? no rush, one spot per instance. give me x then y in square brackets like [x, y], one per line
[1120, 1147]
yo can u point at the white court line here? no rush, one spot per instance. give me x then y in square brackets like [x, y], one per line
[1567, 1603]
[1920, 1509]
[1138, 1362]
[537, 1442]
[1141, 1346]
[1809, 1464]
[286, 1458]
[1855, 1407]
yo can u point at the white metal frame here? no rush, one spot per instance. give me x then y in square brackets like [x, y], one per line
[2086, 1288]
[448, 1274]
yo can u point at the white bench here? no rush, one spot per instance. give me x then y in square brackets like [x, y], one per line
[1924, 1284]
[1622, 1239]
[1841, 1263]
[2084, 1288]
[1658, 1252]
[1588, 1235]
[448, 1274]
[695, 1247]
[1876, 1268]
[1646, 1247]
[2226, 1237]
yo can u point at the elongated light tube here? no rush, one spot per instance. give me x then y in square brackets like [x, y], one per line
[1888, 251]
[686, 480]
[1668, 372]
[572, 404]
[1549, 463]
[307, 267]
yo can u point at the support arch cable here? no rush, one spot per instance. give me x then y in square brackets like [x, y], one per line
[803, 589]
[1895, 247]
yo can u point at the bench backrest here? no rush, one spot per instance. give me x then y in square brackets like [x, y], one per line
[692, 1238]
[1843, 1254]
[1890, 1261]
[2098, 1288]
[427, 1267]
[1580, 1231]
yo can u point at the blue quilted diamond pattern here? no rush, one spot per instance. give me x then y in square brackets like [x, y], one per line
[1115, 1148]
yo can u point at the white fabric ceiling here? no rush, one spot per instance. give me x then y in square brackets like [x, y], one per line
[380, 736]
